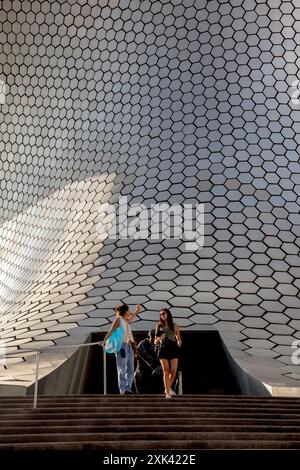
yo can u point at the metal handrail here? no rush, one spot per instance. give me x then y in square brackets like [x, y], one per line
[57, 346]
[50, 348]
[81, 345]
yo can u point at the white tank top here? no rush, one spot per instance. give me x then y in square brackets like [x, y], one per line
[128, 333]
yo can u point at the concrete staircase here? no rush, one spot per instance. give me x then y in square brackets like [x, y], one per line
[139, 422]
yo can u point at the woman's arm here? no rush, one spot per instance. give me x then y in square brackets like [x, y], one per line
[114, 326]
[158, 337]
[134, 314]
[178, 336]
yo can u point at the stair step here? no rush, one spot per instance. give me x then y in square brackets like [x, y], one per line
[175, 403]
[166, 405]
[158, 427]
[137, 396]
[145, 435]
[194, 396]
[148, 445]
[130, 414]
[149, 398]
[111, 421]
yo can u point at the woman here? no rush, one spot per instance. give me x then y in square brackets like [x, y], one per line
[121, 343]
[167, 337]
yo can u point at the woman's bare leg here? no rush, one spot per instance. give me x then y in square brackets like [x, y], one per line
[173, 370]
[166, 371]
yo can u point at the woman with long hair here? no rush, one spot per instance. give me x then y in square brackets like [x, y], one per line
[168, 339]
[122, 346]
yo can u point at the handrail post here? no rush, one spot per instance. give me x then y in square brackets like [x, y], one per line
[37, 362]
[104, 372]
[180, 383]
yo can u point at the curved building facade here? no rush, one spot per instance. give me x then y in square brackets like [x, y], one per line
[177, 101]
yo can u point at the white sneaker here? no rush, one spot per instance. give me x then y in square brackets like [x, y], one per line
[168, 395]
[172, 393]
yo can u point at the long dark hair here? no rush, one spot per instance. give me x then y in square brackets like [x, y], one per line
[170, 321]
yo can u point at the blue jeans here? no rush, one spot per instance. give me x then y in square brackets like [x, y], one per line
[125, 368]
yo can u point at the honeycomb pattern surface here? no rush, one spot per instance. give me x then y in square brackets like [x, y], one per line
[178, 101]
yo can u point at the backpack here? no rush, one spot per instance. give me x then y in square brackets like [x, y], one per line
[114, 342]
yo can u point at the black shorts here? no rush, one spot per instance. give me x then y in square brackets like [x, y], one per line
[170, 350]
